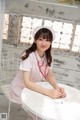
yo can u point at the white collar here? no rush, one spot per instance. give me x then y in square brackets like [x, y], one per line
[38, 57]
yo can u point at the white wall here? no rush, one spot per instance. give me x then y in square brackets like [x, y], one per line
[2, 6]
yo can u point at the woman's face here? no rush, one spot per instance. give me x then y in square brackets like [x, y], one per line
[42, 44]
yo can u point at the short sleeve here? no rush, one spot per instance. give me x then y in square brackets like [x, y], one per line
[26, 65]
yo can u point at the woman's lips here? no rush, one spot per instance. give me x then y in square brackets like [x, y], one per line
[43, 46]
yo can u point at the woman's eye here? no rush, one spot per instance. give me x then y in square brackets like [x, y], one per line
[40, 39]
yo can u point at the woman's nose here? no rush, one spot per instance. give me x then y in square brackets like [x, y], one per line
[44, 42]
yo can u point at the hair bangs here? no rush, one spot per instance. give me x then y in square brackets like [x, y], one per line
[45, 34]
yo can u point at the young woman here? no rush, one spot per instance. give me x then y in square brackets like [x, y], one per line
[35, 66]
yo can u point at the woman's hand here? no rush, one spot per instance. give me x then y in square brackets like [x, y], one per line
[60, 89]
[55, 93]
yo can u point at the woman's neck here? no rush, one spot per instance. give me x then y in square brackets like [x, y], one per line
[40, 53]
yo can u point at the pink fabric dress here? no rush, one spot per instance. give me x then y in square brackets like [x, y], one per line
[29, 64]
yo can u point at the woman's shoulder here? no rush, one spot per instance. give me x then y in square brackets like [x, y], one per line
[30, 57]
[24, 53]
[32, 54]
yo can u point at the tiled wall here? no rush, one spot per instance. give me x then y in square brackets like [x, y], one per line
[9, 62]
[66, 66]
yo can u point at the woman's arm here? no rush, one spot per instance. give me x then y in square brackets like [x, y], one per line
[53, 82]
[51, 79]
[35, 87]
[32, 85]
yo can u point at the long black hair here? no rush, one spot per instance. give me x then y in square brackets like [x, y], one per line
[44, 33]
